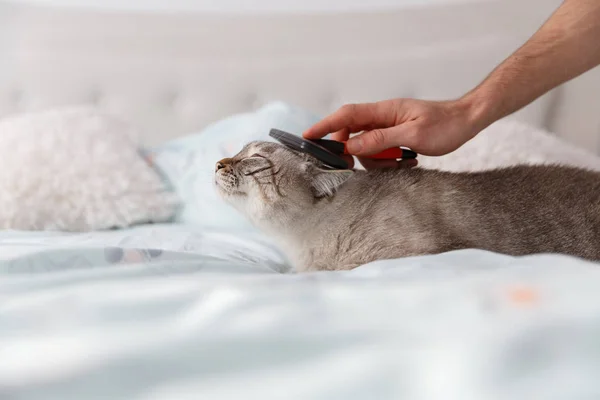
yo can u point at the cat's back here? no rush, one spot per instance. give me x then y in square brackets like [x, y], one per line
[555, 180]
[517, 210]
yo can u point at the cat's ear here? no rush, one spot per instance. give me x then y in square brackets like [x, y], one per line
[326, 181]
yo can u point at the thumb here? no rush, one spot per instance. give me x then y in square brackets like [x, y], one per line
[376, 140]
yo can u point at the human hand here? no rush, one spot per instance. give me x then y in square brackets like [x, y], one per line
[430, 128]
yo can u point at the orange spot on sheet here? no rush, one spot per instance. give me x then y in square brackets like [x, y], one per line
[523, 295]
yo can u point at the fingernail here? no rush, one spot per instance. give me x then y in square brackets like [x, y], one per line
[354, 145]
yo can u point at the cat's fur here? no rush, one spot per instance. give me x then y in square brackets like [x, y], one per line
[330, 219]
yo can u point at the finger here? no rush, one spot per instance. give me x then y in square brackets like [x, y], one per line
[376, 140]
[354, 115]
[341, 136]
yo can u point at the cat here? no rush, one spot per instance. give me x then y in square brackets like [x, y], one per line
[326, 219]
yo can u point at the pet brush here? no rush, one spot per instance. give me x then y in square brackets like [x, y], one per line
[329, 152]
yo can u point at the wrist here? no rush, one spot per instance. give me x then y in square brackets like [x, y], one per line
[479, 111]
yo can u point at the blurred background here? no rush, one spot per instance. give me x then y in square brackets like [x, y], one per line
[174, 66]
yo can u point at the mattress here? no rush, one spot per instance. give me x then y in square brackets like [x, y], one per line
[177, 312]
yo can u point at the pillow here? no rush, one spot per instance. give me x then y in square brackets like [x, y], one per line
[76, 169]
[188, 163]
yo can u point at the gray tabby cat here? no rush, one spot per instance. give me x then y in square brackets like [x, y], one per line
[339, 219]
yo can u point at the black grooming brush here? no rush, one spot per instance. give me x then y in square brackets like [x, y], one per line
[329, 151]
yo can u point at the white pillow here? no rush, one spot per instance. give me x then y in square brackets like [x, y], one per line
[76, 169]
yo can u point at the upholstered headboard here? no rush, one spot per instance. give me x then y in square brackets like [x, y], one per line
[174, 73]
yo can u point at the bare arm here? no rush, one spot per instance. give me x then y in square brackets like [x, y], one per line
[567, 45]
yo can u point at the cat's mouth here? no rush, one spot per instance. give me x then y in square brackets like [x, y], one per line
[227, 183]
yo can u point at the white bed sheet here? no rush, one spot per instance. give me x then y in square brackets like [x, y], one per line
[183, 313]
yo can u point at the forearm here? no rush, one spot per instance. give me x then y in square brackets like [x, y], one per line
[567, 45]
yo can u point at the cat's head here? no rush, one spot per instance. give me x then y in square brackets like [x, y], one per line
[267, 180]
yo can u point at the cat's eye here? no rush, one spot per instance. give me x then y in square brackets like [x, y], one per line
[256, 155]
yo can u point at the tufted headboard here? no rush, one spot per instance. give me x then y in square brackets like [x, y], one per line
[173, 73]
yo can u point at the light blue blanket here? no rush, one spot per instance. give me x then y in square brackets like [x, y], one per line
[173, 312]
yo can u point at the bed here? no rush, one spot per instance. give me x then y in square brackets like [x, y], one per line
[188, 311]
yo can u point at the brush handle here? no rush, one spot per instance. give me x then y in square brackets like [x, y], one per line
[394, 153]
[339, 148]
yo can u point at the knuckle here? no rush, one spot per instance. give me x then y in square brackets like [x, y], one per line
[348, 108]
[378, 137]
[349, 113]
[398, 103]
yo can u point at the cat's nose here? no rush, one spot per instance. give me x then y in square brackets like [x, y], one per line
[224, 163]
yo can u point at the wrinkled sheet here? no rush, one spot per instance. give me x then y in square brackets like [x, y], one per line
[173, 312]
